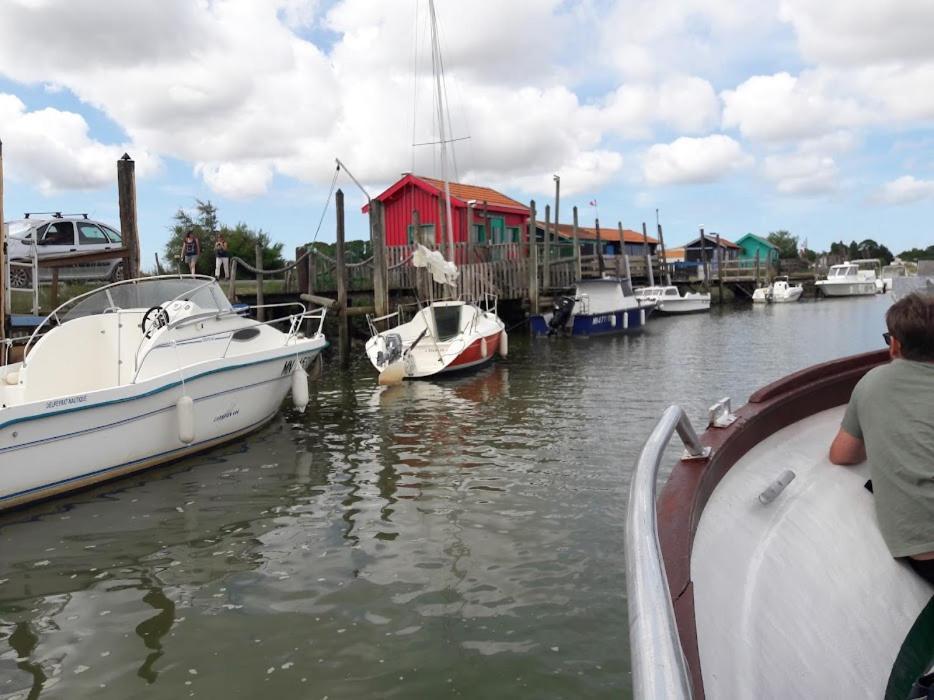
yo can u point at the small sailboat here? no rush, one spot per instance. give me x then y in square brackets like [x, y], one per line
[781, 291]
[444, 336]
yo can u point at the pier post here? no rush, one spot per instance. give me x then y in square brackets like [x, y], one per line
[302, 270]
[756, 283]
[703, 253]
[600, 265]
[577, 247]
[720, 269]
[380, 268]
[625, 255]
[4, 297]
[232, 282]
[126, 194]
[557, 237]
[422, 281]
[312, 269]
[533, 261]
[648, 256]
[661, 242]
[260, 300]
[441, 234]
[487, 229]
[341, 274]
[546, 256]
[470, 241]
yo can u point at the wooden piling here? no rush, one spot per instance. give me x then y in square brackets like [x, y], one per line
[650, 274]
[487, 229]
[470, 236]
[380, 267]
[600, 266]
[129, 230]
[577, 248]
[312, 269]
[661, 242]
[302, 271]
[720, 269]
[422, 283]
[703, 252]
[546, 256]
[341, 273]
[533, 261]
[757, 269]
[232, 282]
[557, 236]
[260, 311]
[625, 255]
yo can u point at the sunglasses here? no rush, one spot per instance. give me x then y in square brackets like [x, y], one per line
[887, 337]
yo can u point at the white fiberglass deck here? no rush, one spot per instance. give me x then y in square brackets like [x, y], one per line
[799, 598]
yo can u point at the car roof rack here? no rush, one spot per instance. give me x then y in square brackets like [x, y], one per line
[56, 214]
[83, 215]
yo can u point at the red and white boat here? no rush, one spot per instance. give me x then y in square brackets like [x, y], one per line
[444, 336]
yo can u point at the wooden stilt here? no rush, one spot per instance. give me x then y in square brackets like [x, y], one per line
[260, 311]
[129, 230]
[380, 268]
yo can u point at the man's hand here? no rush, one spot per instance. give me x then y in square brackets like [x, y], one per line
[846, 449]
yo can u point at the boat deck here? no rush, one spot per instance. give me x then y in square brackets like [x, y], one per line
[798, 598]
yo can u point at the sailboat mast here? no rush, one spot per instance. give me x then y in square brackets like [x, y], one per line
[441, 107]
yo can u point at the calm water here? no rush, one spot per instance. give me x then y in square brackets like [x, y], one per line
[459, 538]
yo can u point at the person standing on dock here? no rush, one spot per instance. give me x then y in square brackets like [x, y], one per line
[221, 257]
[191, 248]
[890, 420]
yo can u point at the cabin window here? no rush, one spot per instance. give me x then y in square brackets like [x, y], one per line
[479, 233]
[513, 232]
[671, 293]
[60, 233]
[447, 321]
[426, 235]
[89, 234]
[497, 229]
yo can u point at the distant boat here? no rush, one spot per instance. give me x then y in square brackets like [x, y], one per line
[781, 291]
[760, 570]
[598, 307]
[890, 273]
[848, 280]
[669, 301]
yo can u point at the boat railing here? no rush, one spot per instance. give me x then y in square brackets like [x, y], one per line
[659, 669]
[371, 321]
[295, 323]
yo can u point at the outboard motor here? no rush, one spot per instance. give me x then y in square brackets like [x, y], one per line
[392, 343]
[562, 313]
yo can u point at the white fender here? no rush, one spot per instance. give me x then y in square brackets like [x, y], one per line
[625, 319]
[394, 373]
[641, 317]
[185, 413]
[503, 344]
[299, 387]
[483, 348]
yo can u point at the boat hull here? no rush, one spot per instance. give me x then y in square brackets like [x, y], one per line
[676, 307]
[847, 289]
[584, 325]
[77, 441]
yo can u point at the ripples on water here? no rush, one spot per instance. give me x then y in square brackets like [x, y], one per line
[454, 538]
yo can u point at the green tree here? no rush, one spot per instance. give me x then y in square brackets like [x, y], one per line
[870, 249]
[205, 225]
[916, 254]
[786, 242]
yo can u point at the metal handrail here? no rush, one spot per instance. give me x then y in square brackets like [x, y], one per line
[659, 669]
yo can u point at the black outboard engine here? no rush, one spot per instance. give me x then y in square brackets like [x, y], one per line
[393, 351]
[562, 313]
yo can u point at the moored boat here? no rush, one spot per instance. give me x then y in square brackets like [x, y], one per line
[598, 307]
[761, 571]
[848, 280]
[780, 291]
[669, 301]
[139, 373]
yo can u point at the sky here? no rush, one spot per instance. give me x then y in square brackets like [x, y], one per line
[811, 117]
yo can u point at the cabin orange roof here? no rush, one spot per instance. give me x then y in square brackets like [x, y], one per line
[473, 192]
[610, 235]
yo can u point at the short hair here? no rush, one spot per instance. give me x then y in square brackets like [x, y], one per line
[911, 321]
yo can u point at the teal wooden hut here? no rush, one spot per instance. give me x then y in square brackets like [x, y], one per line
[750, 244]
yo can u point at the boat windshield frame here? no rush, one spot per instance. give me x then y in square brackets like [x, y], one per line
[86, 304]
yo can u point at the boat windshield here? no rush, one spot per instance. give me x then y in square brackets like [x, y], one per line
[145, 293]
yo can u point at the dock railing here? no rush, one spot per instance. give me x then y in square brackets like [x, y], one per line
[659, 669]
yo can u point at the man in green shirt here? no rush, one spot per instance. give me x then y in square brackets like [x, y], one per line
[890, 420]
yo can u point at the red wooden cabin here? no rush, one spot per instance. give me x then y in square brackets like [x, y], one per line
[491, 215]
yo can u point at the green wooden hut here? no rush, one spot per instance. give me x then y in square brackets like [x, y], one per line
[750, 244]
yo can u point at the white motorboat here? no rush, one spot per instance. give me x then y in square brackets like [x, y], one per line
[444, 336]
[892, 272]
[848, 280]
[668, 300]
[139, 373]
[781, 291]
[760, 571]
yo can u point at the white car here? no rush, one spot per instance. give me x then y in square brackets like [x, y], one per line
[57, 235]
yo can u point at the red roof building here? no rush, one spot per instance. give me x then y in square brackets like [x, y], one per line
[491, 213]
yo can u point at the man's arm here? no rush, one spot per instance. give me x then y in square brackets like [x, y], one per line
[846, 449]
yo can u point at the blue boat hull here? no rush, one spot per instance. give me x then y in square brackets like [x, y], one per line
[628, 321]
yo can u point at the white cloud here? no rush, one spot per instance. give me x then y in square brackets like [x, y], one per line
[687, 104]
[693, 160]
[236, 180]
[905, 190]
[52, 149]
[802, 173]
